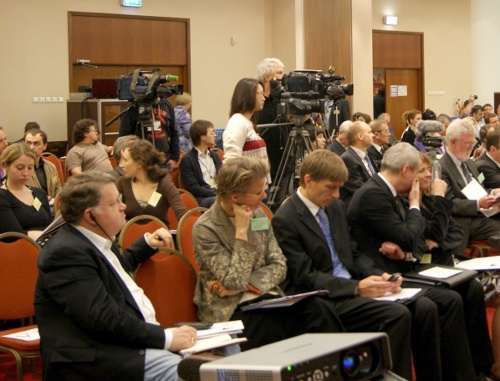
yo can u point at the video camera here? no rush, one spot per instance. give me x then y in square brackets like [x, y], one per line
[139, 87]
[306, 91]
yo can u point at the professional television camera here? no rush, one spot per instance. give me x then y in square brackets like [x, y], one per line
[146, 86]
[305, 91]
[427, 132]
[143, 88]
[299, 93]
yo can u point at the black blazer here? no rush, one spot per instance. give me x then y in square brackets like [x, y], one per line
[490, 170]
[358, 174]
[336, 147]
[375, 156]
[90, 326]
[192, 176]
[308, 256]
[450, 173]
[376, 216]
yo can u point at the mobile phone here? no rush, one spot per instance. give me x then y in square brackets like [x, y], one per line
[394, 277]
[195, 324]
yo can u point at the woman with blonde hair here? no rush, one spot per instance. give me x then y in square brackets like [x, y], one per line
[24, 209]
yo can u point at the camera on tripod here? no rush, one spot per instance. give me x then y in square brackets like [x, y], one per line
[139, 87]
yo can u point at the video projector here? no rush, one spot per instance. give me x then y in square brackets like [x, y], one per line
[309, 357]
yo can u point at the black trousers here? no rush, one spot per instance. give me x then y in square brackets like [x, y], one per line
[439, 338]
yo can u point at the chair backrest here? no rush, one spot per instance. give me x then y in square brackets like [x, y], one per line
[219, 152]
[189, 201]
[184, 236]
[169, 281]
[137, 227]
[112, 161]
[175, 173]
[18, 275]
[266, 210]
[55, 160]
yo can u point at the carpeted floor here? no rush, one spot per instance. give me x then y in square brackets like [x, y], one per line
[8, 369]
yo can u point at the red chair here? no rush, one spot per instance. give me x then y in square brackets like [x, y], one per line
[169, 281]
[184, 238]
[189, 201]
[266, 210]
[137, 227]
[18, 276]
[57, 163]
[219, 152]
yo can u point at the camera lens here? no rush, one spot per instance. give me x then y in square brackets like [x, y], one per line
[350, 363]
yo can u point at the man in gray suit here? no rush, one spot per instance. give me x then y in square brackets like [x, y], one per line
[458, 170]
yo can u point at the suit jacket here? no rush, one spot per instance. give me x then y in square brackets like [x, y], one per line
[309, 261]
[358, 175]
[450, 173]
[375, 157]
[90, 325]
[376, 216]
[53, 183]
[192, 175]
[337, 147]
[490, 170]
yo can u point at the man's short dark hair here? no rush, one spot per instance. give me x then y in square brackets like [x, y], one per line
[31, 126]
[199, 129]
[81, 128]
[35, 132]
[475, 109]
[82, 192]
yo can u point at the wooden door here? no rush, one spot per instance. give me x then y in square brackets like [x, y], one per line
[402, 93]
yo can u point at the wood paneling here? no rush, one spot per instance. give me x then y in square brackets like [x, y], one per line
[397, 50]
[118, 39]
[118, 44]
[396, 106]
[327, 29]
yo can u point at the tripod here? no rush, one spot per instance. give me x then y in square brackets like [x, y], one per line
[298, 143]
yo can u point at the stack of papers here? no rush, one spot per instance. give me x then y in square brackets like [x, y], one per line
[474, 191]
[405, 294]
[219, 335]
[483, 263]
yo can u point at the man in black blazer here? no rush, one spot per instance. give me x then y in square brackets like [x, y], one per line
[352, 281]
[199, 167]
[458, 170]
[95, 323]
[389, 233]
[339, 144]
[381, 138]
[489, 163]
[358, 163]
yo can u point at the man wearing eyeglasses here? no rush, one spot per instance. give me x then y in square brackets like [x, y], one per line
[458, 170]
[88, 153]
[45, 174]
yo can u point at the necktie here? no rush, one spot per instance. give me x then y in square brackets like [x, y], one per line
[466, 172]
[370, 166]
[339, 270]
[402, 211]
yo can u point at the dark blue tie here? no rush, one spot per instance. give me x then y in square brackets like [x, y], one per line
[466, 172]
[339, 270]
[372, 170]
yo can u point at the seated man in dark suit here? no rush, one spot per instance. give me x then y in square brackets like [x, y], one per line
[358, 163]
[95, 323]
[489, 163]
[319, 257]
[458, 170]
[381, 138]
[340, 144]
[390, 234]
[199, 167]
